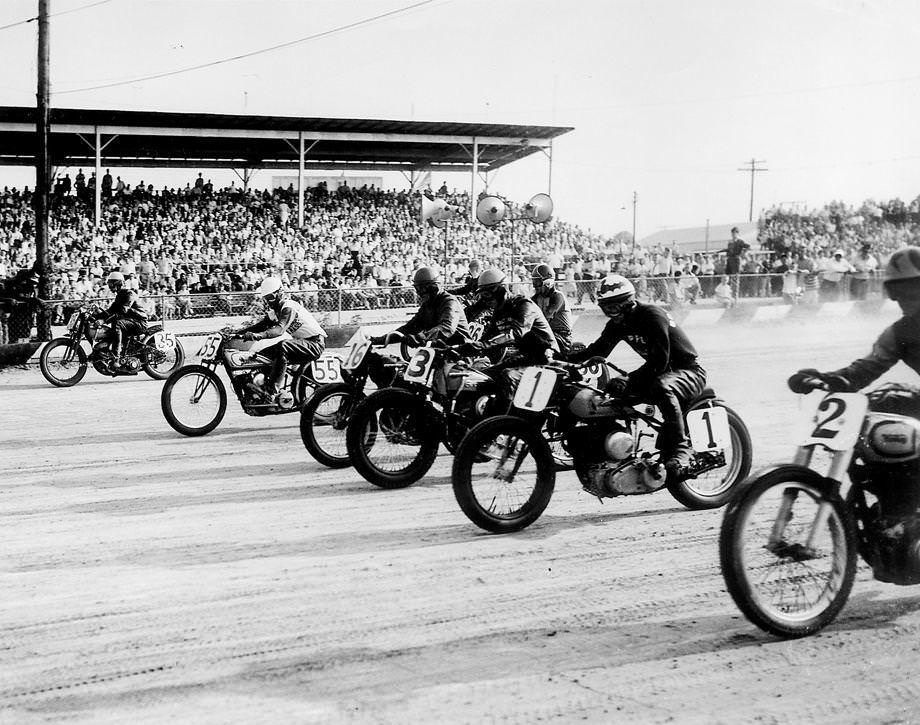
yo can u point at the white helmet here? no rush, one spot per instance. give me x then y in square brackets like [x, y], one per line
[269, 286]
[115, 277]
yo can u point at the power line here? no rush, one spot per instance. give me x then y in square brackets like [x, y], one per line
[54, 15]
[287, 44]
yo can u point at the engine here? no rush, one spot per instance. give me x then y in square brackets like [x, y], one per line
[887, 467]
[608, 462]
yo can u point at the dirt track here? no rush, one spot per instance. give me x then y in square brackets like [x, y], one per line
[151, 578]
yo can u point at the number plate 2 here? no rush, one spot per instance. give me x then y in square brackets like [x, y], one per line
[837, 421]
[534, 390]
[708, 429]
[419, 368]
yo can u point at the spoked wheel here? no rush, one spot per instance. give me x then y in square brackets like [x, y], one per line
[63, 362]
[323, 421]
[194, 400]
[504, 474]
[713, 488]
[788, 549]
[160, 364]
[393, 438]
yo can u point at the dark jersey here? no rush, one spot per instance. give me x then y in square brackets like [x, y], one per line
[524, 320]
[126, 305]
[653, 334]
[899, 342]
[439, 317]
[557, 315]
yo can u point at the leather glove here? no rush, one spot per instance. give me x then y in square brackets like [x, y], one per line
[468, 349]
[414, 340]
[804, 381]
[617, 387]
[378, 340]
[250, 336]
[836, 383]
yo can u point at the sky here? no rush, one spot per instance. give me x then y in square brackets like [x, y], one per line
[669, 100]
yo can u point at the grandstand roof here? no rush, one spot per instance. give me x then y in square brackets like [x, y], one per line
[701, 239]
[200, 140]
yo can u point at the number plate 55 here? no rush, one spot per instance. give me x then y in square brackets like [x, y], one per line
[534, 390]
[837, 421]
[326, 369]
[419, 368]
[208, 351]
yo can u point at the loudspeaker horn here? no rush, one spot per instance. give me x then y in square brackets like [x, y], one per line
[437, 212]
[490, 211]
[539, 209]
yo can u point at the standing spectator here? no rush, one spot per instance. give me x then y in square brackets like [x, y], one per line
[107, 184]
[832, 277]
[723, 292]
[864, 265]
[734, 251]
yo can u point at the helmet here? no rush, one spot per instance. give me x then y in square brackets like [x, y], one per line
[115, 277]
[425, 281]
[269, 286]
[490, 282]
[903, 271]
[615, 292]
[543, 277]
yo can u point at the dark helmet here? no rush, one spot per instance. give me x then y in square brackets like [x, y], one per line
[616, 294]
[425, 281]
[543, 278]
[490, 281]
[902, 273]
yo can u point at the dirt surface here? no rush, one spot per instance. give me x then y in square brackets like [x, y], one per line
[147, 577]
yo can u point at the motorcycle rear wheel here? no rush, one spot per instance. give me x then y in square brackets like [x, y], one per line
[59, 355]
[323, 422]
[162, 369]
[784, 586]
[495, 484]
[187, 389]
[714, 489]
[392, 438]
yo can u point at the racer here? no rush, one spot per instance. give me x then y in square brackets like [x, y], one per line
[439, 316]
[898, 342]
[670, 374]
[552, 304]
[284, 315]
[126, 315]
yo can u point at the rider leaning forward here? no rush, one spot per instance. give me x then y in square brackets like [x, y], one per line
[671, 373]
[284, 315]
[126, 315]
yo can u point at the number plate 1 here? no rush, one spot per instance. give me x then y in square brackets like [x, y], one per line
[355, 350]
[534, 390]
[837, 421]
[708, 429]
[419, 368]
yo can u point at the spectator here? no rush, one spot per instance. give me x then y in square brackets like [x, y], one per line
[734, 252]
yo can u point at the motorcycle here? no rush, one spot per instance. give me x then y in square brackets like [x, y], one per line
[324, 417]
[504, 474]
[393, 435]
[64, 362]
[790, 540]
[194, 399]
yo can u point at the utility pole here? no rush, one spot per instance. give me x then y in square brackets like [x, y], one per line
[635, 201]
[42, 170]
[753, 169]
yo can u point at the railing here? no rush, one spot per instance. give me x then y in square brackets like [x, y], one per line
[338, 306]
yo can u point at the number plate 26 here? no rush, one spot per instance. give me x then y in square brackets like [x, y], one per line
[534, 390]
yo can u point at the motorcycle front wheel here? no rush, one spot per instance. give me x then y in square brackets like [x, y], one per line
[63, 362]
[193, 400]
[160, 364]
[788, 549]
[392, 438]
[504, 474]
[323, 422]
[713, 489]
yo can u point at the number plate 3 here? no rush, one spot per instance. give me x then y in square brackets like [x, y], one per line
[419, 368]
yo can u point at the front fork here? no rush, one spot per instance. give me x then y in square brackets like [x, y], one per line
[201, 385]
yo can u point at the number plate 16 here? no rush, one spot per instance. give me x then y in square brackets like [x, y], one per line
[837, 421]
[355, 350]
[534, 390]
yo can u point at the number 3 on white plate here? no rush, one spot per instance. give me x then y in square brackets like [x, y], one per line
[419, 366]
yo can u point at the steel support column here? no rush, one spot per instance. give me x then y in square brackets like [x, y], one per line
[97, 192]
[473, 178]
[300, 182]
